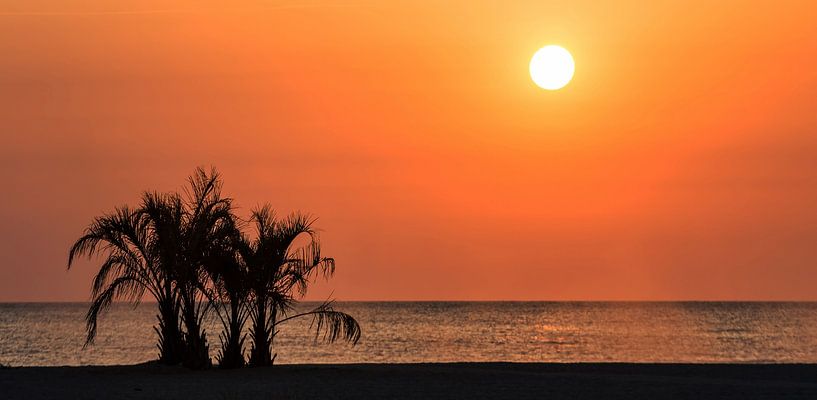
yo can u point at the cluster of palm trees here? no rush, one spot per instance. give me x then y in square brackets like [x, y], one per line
[189, 252]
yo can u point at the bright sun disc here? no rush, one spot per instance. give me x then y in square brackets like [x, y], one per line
[551, 67]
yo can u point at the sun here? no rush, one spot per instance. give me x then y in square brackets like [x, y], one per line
[552, 67]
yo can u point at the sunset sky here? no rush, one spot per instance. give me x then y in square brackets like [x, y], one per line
[679, 163]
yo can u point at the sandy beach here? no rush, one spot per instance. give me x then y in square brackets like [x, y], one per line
[417, 381]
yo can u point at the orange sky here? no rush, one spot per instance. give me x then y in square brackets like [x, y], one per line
[680, 162]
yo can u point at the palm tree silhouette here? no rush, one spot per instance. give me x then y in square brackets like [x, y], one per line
[189, 253]
[188, 228]
[228, 293]
[131, 268]
[279, 273]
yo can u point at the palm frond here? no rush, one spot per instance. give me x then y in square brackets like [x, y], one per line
[330, 324]
[124, 287]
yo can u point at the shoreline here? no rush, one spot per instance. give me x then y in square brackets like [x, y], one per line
[427, 380]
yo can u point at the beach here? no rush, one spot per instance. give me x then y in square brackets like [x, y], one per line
[417, 381]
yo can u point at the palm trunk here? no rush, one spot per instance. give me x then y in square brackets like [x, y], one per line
[197, 353]
[171, 345]
[260, 353]
[232, 353]
[272, 332]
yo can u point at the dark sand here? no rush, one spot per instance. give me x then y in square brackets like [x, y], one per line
[417, 381]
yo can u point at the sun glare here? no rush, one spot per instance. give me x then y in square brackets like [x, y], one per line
[552, 67]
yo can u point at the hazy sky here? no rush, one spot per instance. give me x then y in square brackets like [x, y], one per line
[680, 162]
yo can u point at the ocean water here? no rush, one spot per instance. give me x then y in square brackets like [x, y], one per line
[53, 334]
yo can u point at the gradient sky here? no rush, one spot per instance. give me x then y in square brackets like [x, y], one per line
[680, 162]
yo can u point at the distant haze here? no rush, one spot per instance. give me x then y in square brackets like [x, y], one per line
[679, 163]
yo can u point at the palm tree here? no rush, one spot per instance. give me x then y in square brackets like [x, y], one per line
[278, 273]
[167, 216]
[131, 268]
[187, 230]
[188, 253]
[228, 294]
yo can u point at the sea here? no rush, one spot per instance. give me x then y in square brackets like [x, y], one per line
[53, 334]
